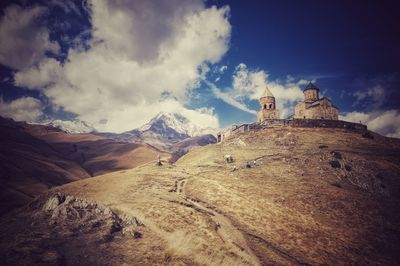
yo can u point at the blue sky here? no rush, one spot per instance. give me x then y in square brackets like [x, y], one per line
[116, 64]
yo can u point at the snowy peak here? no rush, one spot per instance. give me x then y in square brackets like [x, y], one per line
[165, 131]
[166, 123]
[71, 126]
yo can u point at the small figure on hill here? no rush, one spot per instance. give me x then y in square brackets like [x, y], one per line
[255, 163]
[228, 158]
[234, 168]
[159, 162]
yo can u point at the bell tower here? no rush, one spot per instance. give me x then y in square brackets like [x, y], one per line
[311, 93]
[267, 107]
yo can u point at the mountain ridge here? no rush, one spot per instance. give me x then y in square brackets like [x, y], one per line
[74, 126]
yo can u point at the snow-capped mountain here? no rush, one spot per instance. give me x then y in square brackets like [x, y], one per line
[164, 131]
[164, 122]
[71, 126]
[169, 126]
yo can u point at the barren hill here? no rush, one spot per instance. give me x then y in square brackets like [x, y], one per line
[313, 196]
[34, 158]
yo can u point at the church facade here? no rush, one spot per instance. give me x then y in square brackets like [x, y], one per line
[314, 107]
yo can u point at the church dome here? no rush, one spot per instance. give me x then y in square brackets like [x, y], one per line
[311, 86]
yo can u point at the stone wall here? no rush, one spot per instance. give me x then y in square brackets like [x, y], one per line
[305, 123]
[274, 122]
[267, 114]
[326, 123]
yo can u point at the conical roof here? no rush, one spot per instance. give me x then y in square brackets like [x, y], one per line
[267, 93]
[311, 86]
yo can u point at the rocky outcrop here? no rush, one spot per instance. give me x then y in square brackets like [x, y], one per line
[69, 210]
[63, 229]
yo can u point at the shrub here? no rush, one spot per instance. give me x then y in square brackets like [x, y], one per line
[335, 164]
[336, 184]
[367, 135]
[337, 155]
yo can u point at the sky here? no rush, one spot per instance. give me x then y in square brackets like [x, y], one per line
[116, 64]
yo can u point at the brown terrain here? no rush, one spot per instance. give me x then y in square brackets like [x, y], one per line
[310, 196]
[34, 158]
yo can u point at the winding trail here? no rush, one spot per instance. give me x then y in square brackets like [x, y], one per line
[224, 228]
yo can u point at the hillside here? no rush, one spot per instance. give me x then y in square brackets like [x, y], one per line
[34, 158]
[313, 196]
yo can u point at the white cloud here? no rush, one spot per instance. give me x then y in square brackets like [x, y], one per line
[249, 85]
[140, 51]
[46, 73]
[384, 122]
[228, 99]
[222, 69]
[375, 94]
[23, 41]
[22, 109]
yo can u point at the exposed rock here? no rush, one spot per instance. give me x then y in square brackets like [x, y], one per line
[53, 203]
[83, 215]
[137, 234]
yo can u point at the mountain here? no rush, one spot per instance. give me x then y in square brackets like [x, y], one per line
[71, 126]
[34, 158]
[174, 126]
[164, 131]
[314, 196]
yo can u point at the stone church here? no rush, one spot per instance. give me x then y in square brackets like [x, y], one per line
[268, 107]
[314, 107]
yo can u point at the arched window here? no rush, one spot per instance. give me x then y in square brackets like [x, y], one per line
[265, 106]
[270, 106]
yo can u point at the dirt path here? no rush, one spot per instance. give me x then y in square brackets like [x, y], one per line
[228, 232]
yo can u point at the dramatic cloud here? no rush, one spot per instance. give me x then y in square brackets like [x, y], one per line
[384, 122]
[373, 96]
[249, 85]
[22, 109]
[139, 52]
[23, 40]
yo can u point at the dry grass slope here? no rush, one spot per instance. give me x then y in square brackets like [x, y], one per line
[34, 158]
[314, 196]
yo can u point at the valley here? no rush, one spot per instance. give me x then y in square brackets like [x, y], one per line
[36, 157]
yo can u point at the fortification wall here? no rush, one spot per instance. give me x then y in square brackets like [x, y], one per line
[313, 123]
[305, 123]
[326, 123]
